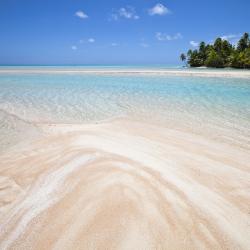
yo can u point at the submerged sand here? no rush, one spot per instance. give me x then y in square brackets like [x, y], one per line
[124, 184]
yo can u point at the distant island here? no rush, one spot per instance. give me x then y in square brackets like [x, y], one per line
[221, 54]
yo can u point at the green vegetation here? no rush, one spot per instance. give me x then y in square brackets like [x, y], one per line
[221, 54]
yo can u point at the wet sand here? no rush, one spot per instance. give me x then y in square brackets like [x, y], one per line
[124, 184]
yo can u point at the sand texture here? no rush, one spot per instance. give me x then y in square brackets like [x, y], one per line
[124, 185]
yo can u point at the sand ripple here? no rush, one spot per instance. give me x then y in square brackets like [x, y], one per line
[124, 185]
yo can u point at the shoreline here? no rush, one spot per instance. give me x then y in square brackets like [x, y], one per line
[140, 72]
[131, 181]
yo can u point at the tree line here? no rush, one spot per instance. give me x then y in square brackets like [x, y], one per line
[220, 54]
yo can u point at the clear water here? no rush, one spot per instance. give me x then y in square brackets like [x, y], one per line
[219, 105]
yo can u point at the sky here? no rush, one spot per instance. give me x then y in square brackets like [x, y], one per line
[72, 32]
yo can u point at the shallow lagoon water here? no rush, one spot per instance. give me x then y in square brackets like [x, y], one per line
[217, 105]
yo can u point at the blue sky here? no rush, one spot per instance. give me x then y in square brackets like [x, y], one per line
[114, 31]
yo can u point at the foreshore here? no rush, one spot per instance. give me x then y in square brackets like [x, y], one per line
[94, 162]
[124, 184]
[131, 71]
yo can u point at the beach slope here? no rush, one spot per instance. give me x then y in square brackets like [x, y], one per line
[124, 184]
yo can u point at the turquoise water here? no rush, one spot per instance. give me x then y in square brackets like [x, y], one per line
[222, 105]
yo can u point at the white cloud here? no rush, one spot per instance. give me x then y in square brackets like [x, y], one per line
[128, 13]
[81, 14]
[229, 37]
[74, 47]
[91, 40]
[164, 37]
[194, 44]
[144, 45]
[158, 9]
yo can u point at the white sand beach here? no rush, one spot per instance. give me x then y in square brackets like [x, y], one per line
[199, 72]
[124, 125]
[124, 159]
[124, 184]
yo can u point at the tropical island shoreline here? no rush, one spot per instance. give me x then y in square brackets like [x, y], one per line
[220, 54]
[124, 125]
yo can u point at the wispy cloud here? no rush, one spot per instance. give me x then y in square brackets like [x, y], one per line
[73, 47]
[144, 45]
[164, 37]
[194, 44]
[230, 36]
[125, 12]
[158, 9]
[114, 44]
[89, 40]
[81, 14]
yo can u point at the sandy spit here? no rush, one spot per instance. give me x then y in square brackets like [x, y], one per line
[124, 185]
[143, 72]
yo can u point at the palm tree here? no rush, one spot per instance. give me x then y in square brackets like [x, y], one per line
[244, 42]
[183, 57]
